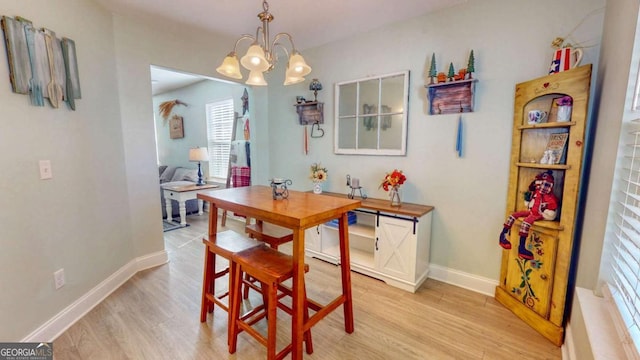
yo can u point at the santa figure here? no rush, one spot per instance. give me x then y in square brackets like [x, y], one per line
[541, 204]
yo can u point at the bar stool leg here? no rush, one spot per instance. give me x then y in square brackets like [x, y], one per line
[208, 278]
[272, 308]
[308, 343]
[234, 310]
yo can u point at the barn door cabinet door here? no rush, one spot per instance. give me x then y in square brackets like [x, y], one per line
[396, 248]
[545, 139]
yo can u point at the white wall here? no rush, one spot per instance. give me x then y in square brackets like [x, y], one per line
[511, 42]
[79, 220]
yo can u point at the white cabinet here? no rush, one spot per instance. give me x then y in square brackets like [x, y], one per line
[312, 242]
[390, 245]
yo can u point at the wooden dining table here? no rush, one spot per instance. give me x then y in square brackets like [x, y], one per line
[301, 210]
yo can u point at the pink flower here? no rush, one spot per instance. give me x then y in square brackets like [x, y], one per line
[564, 101]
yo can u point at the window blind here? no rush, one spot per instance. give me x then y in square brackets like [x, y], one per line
[220, 116]
[626, 250]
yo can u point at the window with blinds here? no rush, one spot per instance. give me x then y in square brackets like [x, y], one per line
[625, 257]
[220, 116]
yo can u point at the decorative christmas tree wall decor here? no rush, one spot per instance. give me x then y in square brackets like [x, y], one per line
[432, 69]
[452, 92]
[471, 65]
[451, 73]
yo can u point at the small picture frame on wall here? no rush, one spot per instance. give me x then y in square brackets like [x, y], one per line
[176, 129]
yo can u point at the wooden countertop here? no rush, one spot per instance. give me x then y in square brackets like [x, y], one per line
[408, 209]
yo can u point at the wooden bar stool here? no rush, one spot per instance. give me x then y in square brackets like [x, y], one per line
[274, 236]
[227, 244]
[271, 268]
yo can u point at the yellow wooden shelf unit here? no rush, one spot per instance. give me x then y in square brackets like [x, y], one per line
[535, 289]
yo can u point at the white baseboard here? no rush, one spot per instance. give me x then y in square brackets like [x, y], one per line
[152, 260]
[462, 279]
[67, 317]
[55, 326]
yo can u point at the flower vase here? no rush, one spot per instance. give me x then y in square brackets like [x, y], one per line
[317, 187]
[394, 196]
[564, 113]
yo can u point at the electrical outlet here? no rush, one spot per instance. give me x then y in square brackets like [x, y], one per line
[45, 169]
[58, 277]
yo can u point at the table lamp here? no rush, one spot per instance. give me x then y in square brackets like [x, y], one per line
[315, 86]
[199, 154]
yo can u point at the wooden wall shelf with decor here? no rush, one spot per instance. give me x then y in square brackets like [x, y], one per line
[535, 289]
[451, 97]
[311, 112]
[389, 243]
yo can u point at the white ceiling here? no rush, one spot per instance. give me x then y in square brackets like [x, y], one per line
[163, 80]
[311, 23]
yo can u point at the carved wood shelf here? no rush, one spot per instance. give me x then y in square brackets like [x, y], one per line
[310, 113]
[451, 97]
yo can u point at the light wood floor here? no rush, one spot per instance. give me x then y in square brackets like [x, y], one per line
[156, 315]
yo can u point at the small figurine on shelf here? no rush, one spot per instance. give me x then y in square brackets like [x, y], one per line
[541, 204]
[462, 73]
[547, 157]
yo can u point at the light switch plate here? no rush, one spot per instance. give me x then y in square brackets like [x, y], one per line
[45, 170]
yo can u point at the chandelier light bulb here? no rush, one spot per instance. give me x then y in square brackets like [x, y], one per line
[290, 80]
[291, 77]
[296, 61]
[255, 59]
[230, 67]
[256, 78]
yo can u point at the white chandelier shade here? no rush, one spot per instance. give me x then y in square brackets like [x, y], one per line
[256, 78]
[230, 67]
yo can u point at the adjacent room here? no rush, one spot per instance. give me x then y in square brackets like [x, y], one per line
[335, 180]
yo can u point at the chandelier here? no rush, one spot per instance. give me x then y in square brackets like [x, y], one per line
[261, 56]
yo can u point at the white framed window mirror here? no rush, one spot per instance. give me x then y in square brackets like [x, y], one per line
[371, 115]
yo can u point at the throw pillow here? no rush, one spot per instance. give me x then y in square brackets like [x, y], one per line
[185, 174]
[167, 174]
